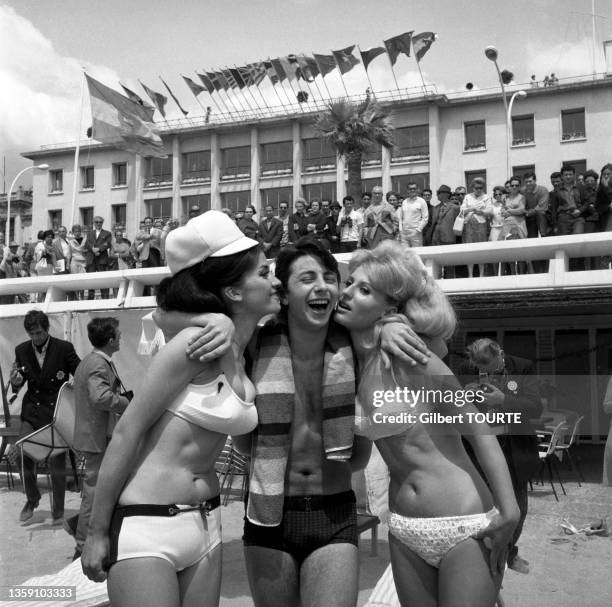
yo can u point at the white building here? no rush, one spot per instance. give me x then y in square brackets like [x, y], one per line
[440, 139]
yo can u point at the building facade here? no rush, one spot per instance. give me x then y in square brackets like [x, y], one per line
[439, 139]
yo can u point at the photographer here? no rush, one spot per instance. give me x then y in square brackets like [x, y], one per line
[509, 385]
[99, 400]
[350, 226]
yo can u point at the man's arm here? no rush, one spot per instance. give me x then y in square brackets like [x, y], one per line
[101, 394]
[362, 449]
[277, 234]
[72, 358]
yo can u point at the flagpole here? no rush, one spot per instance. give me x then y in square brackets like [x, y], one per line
[421, 74]
[76, 154]
[248, 86]
[365, 69]
[323, 77]
[196, 98]
[246, 106]
[393, 72]
[342, 80]
[244, 97]
[214, 101]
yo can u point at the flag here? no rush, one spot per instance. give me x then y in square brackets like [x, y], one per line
[245, 74]
[345, 59]
[230, 81]
[122, 123]
[289, 67]
[210, 87]
[137, 99]
[326, 63]
[370, 54]
[195, 88]
[235, 73]
[308, 70]
[398, 44]
[421, 43]
[180, 107]
[213, 77]
[278, 68]
[258, 72]
[159, 100]
[271, 72]
[222, 79]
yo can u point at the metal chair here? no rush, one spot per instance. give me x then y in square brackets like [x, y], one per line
[54, 438]
[565, 448]
[9, 430]
[549, 458]
[230, 463]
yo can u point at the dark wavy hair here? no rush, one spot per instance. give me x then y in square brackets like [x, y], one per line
[198, 288]
[101, 330]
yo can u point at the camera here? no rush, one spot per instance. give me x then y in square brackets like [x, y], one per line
[129, 394]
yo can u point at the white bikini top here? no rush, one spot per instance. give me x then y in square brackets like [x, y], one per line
[377, 417]
[215, 406]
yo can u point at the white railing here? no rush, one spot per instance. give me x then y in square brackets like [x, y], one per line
[558, 250]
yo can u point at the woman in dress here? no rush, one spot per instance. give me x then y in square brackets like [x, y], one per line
[475, 226]
[494, 211]
[441, 508]
[119, 256]
[44, 255]
[248, 226]
[514, 212]
[155, 526]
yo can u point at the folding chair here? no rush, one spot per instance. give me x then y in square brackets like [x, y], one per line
[565, 448]
[9, 429]
[549, 458]
[54, 438]
[365, 519]
[230, 463]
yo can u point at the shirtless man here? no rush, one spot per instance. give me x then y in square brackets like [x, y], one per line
[305, 552]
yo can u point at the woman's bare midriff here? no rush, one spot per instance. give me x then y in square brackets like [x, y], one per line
[426, 482]
[175, 464]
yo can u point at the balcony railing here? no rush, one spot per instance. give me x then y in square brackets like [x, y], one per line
[557, 249]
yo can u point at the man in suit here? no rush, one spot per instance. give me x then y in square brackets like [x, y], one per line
[271, 232]
[441, 228]
[63, 252]
[98, 243]
[98, 397]
[509, 385]
[45, 363]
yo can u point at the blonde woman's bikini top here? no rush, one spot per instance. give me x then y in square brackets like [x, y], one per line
[215, 406]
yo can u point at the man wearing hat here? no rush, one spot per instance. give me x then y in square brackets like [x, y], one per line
[443, 218]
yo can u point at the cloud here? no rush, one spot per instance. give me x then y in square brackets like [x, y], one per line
[41, 88]
[564, 59]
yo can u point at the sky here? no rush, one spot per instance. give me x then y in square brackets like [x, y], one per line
[46, 44]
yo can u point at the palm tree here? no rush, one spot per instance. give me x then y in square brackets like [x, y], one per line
[353, 129]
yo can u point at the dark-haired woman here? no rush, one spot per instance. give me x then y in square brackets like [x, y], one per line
[155, 525]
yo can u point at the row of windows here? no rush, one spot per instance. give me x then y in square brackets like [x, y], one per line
[523, 131]
[86, 215]
[275, 159]
[580, 166]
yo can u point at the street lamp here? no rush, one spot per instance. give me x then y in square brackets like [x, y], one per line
[520, 95]
[42, 167]
[491, 54]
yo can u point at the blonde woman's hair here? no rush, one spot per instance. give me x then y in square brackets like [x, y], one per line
[398, 273]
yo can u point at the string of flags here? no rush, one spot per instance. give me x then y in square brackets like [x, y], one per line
[127, 122]
[292, 69]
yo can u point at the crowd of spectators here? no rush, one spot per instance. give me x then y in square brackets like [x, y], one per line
[521, 208]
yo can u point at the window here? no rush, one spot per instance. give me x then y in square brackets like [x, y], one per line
[236, 201]
[158, 171]
[399, 183]
[572, 124]
[195, 205]
[236, 162]
[471, 175]
[87, 216]
[87, 178]
[159, 208]
[366, 184]
[119, 215]
[320, 191]
[277, 158]
[274, 196]
[522, 130]
[318, 154]
[475, 137]
[372, 156]
[580, 166]
[412, 142]
[521, 170]
[55, 220]
[196, 166]
[119, 174]
[56, 181]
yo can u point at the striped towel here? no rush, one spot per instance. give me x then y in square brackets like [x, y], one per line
[274, 383]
